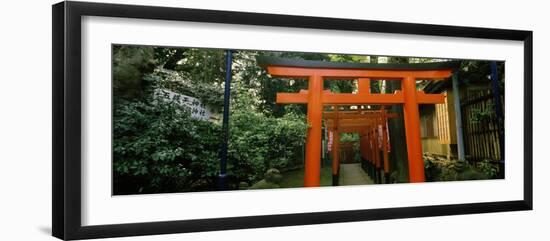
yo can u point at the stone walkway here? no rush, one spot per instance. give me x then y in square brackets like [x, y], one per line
[353, 174]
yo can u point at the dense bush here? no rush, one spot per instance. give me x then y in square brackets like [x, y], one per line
[258, 142]
[158, 147]
[442, 169]
[272, 179]
[130, 65]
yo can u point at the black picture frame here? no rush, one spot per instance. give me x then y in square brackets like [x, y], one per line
[66, 128]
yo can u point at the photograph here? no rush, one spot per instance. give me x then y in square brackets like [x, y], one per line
[189, 119]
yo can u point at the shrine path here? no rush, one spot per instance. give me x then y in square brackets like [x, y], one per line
[353, 174]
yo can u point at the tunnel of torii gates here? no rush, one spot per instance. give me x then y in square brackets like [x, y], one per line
[371, 125]
[316, 98]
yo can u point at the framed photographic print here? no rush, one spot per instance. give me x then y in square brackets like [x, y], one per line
[170, 120]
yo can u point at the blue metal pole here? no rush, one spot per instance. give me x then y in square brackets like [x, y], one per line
[499, 114]
[222, 178]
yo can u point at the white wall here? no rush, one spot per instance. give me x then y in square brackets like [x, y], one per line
[25, 120]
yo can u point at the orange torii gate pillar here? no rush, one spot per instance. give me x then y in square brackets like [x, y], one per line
[383, 165]
[316, 71]
[335, 150]
[336, 157]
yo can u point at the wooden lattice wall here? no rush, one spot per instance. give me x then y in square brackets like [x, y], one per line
[480, 124]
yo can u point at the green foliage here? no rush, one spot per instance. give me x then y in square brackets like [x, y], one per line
[349, 137]
[472, 71]
[253, 88]
[272, 180]
[441, 169]
[258, 142]
[262, 134]
[340, 86]
[158, 147]
[130, 64]
[354, 138]
[197, 65]
[349, 58]
[488, 167]
[482, 114]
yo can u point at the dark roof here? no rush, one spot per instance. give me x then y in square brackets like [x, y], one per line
[264, 61]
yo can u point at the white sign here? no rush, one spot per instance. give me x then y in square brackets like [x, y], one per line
[197, 109]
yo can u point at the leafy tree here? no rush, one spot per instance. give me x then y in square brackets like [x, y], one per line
[258, 142]
[252, 82]
[480, 71]
[158, 147]
[130, 65]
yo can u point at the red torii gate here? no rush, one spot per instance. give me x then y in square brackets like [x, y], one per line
[317, 71]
